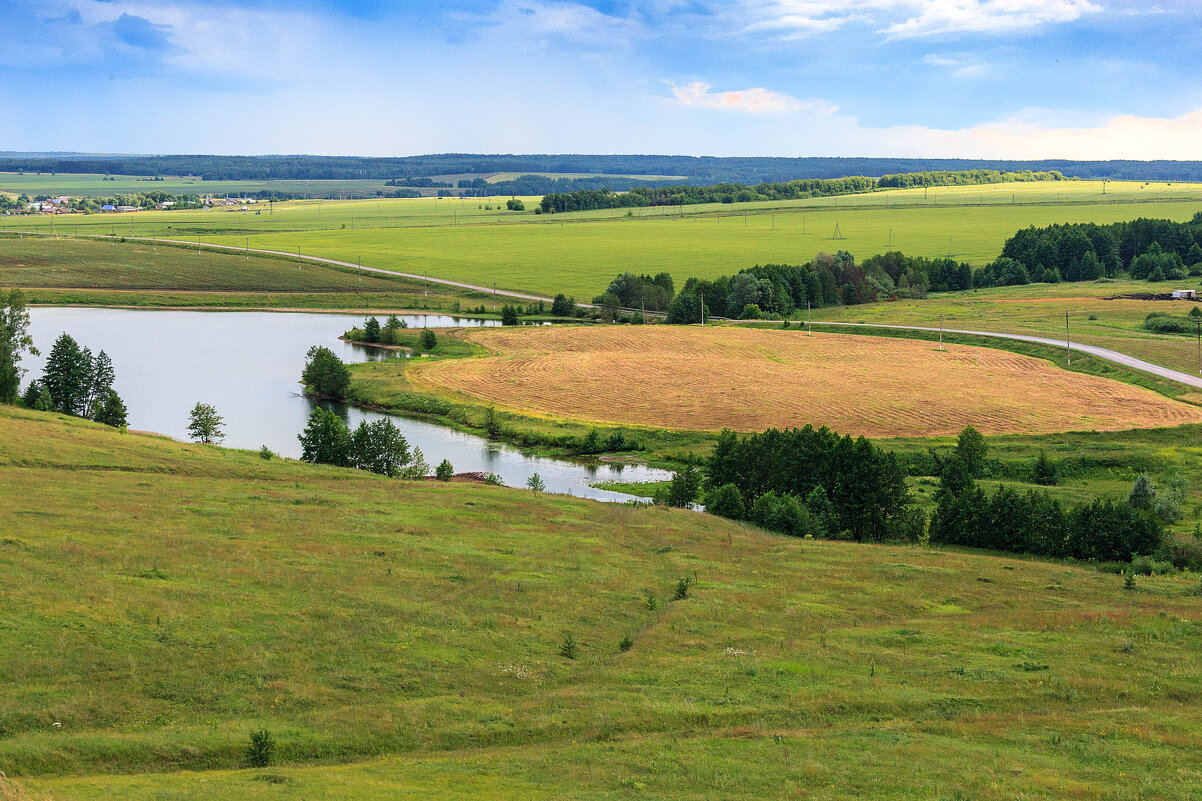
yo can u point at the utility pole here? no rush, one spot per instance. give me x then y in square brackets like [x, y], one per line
[809, 325]
[248, 248]
[1068, 346]
[941, 331]
[1198, 324]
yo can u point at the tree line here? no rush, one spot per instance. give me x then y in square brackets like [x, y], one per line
[689, 194]
[1150, 249]
[809, 482]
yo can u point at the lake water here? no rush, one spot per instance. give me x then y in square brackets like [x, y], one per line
[248, 364]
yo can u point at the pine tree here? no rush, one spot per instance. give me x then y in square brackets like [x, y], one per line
[112, 411]
[371, 330]
[68, 376]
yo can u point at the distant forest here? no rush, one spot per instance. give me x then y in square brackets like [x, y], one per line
[686, 195]
[697, 170]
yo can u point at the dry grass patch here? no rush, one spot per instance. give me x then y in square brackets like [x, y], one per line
[714, 378]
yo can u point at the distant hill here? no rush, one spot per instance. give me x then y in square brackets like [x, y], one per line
[697, 169]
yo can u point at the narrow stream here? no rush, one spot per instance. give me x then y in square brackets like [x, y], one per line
[248, 364]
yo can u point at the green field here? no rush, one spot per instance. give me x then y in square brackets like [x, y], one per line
[579, 253]
[83, 271]
[164, 600]
[96, 185]
[1039, 310]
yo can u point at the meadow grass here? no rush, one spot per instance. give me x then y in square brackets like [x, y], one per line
[579, 253]
[85, 271]
[1095, 315]
[161, 601]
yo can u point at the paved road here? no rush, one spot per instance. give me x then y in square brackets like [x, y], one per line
[1092, 350]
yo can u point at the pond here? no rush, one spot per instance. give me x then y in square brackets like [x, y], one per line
[248, 364]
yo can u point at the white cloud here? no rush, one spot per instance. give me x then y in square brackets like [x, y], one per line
[752, 101]
[986, 16]
[900, 19]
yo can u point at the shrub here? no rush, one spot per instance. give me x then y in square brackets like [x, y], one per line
[751, 311]
[682, 588]
[265, 454]
[591, 443]
[444, 471]
[1128, 580]
[515, 204]
[650, 601]
[1147, 566]
[535, 483]
[1044, 471]
[726, 501]
[261, 749]
[492, 425]
[429, 340]
[626, 643]
[494, 479]
[568, 648]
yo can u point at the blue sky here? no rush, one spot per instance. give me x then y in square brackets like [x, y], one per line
[970, 78]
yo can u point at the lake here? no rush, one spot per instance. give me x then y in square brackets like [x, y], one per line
[248, 364]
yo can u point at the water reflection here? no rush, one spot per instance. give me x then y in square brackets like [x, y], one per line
[247, 365]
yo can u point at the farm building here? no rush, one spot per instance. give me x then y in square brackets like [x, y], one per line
[1185, 294]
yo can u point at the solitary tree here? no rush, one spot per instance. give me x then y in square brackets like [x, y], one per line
[972, 448]
[535, 483]
[326, 439]
[68, 376]
[14, 339]
[205, 424]
[371, 330]
[429, 339]
[444, 472]
[1143, 492]
[379, 447]
[325, 374]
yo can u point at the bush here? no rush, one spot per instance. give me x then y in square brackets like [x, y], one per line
[266, 454]
[429, 339]
[514, 204]
[444, 471]
[726, 501]
[1044, 471]
[568, 648]
[626, 643]
[261, 749]
[1183, 551]
[682, 588]
[751, 311]
[1147, 566]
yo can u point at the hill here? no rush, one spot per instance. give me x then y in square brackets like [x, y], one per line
[161, 601]
[699, 169]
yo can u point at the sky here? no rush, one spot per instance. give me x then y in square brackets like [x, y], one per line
[1023, 79]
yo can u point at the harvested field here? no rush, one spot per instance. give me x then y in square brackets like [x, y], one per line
[748, 380]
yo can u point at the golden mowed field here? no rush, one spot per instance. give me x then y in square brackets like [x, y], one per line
[707, 379]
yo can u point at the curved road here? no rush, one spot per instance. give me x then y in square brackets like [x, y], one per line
[1102, 353]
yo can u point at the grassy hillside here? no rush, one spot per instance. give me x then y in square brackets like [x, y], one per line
[142, 274]
[579, 253]
[160, 601]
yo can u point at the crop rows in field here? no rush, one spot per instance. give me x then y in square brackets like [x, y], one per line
[749, 380]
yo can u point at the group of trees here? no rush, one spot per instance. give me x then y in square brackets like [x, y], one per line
[377, 446]
[1148, 249]
[586, 199]
[808, 481]
[653, 293]
[324, 373]
[814, 483]
[77, 383]
[1035, 522]
[966, 178]
[1165, 323]
[829, 280]
[374, 333]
